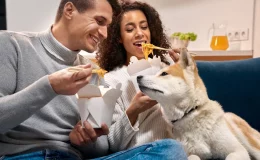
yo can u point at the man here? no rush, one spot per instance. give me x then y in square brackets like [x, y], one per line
[38, 109]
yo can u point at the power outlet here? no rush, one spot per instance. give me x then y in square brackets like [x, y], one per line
[244, 34]
[238, 34]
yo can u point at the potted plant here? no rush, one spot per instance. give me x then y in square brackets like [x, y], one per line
[181, 40]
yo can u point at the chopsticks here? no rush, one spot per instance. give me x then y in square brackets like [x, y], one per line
[151, 46]
[160, 48]
[100, 72]
[75, 69]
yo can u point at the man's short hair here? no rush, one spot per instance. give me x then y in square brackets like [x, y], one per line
[83, 5]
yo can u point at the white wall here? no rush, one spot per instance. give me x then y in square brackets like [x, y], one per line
[257, 29]
[198, 15]
[30, 15]
[177, 15]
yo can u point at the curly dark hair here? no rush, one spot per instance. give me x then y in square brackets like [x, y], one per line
[112, 54]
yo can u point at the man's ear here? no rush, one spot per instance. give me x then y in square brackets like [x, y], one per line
[68, 10]
[186, 59]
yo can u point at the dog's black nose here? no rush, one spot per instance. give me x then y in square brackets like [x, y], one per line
[139, 78]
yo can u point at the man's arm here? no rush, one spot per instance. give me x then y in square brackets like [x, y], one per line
[16, 107]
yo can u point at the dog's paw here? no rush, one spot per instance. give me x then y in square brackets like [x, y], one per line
[193, 157]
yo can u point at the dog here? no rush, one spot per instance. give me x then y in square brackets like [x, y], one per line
[200, 124]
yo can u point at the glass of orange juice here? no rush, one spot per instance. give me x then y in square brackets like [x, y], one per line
[219, 42]
[219, 39]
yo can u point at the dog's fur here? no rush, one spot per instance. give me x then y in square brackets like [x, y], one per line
[199, 123]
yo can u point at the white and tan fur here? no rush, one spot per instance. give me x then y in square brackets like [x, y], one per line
[205, 131]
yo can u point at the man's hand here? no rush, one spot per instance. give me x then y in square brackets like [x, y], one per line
[68, 83]
[83, 136]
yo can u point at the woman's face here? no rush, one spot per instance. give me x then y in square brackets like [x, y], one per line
[134, 31]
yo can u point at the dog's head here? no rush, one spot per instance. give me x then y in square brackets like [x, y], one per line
[178, 88]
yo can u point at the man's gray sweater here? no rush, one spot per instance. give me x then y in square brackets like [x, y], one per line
[32, 116]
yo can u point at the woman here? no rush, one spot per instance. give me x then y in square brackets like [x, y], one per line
[137, 118]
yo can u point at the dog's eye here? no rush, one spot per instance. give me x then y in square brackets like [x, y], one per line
[164, 74]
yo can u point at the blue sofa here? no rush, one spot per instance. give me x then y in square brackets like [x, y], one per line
[235, 85]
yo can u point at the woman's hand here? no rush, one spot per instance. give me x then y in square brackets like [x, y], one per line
[83, 136]
[174, 54]
[139, 104]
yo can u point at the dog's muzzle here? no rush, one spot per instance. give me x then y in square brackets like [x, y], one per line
[143, 87]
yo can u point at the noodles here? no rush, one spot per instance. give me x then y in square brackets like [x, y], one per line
[147, 49]
[99, 72]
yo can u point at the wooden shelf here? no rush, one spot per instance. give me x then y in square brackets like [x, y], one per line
[223, 55]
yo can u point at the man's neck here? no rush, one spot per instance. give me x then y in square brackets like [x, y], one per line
[60, 32]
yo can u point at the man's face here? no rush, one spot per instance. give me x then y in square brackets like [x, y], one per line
[87, 29]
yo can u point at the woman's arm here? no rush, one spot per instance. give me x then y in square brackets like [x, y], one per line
[121, 130]
[125, 123]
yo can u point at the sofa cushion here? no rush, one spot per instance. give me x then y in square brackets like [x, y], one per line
[235, 85]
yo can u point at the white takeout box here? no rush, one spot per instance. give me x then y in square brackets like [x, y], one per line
[143, 67]
[96, 104]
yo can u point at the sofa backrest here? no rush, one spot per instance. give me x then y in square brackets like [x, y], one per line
[235, 85]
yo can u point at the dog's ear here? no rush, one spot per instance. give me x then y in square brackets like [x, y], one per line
[186, 59]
